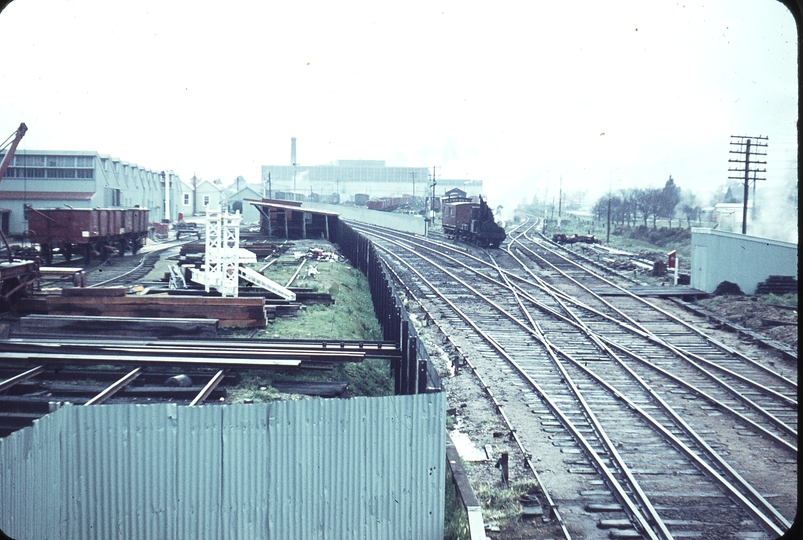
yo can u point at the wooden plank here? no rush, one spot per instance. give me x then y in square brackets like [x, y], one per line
[189, 312]
[94, 292]
[174, 328]
[249, 311]
[246, 320]
[243, 323]
[161, 300]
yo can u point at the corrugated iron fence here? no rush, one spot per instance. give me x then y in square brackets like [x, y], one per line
[317, 469]
[415, 373]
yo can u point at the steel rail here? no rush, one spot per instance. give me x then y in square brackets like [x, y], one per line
[146, 253]
[738, 396]
[694, 360]
[645, 334]
[115, 387]
[208, 388]
[748, 504]
[640, 521]
[527, 455]
[372, 348]
[691, 327]
[714, 401]
[780, 347]
[610, 447]
[648, 335]
[331, 355]
[121, 276]
[686, 356]
[128, 350]
[729, 350]
[156, 360]
[8, 383]
[725, 483]
[757, 498]
[690, 357]
[660, 310]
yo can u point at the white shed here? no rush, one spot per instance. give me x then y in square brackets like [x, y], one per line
[718, 256]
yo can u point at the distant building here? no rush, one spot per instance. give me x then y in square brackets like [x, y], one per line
[52, 179]
[728, 216]
[197, 195]
[347, 178]
[208, 195]
[235, 202]
[455, 194]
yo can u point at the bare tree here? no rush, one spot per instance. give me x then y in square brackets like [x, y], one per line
[689, 207]
[669, 199]
[641, 203]
[629, 212]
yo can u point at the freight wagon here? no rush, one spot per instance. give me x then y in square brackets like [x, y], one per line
[87, 231]
[388, 204]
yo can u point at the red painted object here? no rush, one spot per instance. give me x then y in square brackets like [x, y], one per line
[673, 255]
[89, 231]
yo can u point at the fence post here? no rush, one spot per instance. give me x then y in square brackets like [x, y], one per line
[404, 384]
[412, 365]
[422, 376]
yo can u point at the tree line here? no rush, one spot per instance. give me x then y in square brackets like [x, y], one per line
[633, 204]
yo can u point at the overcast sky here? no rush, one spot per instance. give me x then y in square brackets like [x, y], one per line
[519, 94]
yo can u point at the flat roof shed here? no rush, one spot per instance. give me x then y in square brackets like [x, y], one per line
[718, 256]
[292, 221]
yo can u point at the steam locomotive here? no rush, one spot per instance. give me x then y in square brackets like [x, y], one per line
[464, 219]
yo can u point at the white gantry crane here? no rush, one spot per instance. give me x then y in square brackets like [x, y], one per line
[222, 270]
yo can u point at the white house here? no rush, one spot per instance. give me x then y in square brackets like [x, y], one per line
[248, 211]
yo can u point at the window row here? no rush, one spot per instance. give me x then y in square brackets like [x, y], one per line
[54, 161]
[37, 172]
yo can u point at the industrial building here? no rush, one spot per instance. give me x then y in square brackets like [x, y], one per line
[345, 178]
[77, 179]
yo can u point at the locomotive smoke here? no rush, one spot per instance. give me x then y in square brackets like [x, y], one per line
[775, 213]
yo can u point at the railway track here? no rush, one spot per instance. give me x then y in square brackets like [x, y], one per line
[116, 270]
[644, 424]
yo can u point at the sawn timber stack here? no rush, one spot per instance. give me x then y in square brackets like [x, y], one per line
[230, 312]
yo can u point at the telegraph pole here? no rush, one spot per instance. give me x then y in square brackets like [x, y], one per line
[744, 146]
[434, 183]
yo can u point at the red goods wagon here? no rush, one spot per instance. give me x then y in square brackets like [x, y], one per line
[463, 219]
[88, 231]
[456, 218]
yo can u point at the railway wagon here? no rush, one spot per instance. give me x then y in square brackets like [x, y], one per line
[87, 231]
[466, 220]
[561, 238]
[387, 204]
